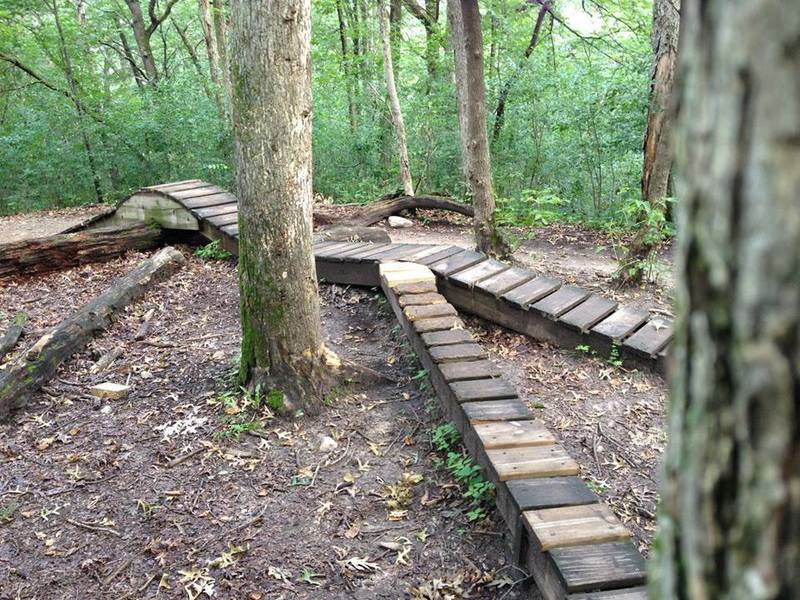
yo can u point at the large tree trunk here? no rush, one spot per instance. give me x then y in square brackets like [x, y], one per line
[475, 146]
[657, 147]
[282, 344]
[20, 380]
[142, 36]
[394, 102]
[57, 252]
[730, 522]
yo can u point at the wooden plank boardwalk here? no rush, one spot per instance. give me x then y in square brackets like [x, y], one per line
[520, 299]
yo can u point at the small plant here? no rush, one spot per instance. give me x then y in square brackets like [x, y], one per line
[7, 512]
[614, 357]
[245, 410]
[213, 251]
[274, 399]
[445, 437]
[583, 348]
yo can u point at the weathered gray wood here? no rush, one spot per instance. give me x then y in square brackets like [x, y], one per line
[429, 311]
[446, 338]
[34, 367]
[495, 410]
[574, 526]
[438, 324]
[177, 186]
[232, 230]
[361, 247]
[532, 461]
[457, 262]
[456, 352]
[345, 273]
[215, 211]
[353, 233]
[209, 200]
[560, 301]
[513, 434]
[532, 291]
[12, 334]
[152, 207]
[651, 338]
[437, 256]
[369, 254]
[196, 192]
[400, 253]
[483, 270]
[639, 593]
[482, 389]
[621, 323]
[588, 313]
[226, 219]
[505, 281]
[417, 287]
[464, 371]
[332, 250]
[599, 566]
[424, 252]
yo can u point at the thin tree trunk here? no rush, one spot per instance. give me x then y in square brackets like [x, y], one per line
[460, 70]
[282, 344]
[128, 54]
[431, 43]
[346, 67]
[221, 36]
[394, 102]
[208, 36]
[475, 145]
[198, 67]
[657, 148]
[730, 514]
[505, 90]
[142, 37]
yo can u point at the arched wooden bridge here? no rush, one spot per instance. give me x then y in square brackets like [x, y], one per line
[531, 303]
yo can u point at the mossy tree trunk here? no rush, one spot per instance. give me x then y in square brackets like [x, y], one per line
[730, 515]
[282, 343]
[475, 145]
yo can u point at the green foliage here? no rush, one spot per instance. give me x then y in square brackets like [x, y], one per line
[245, 410]
[474, 487]
[213, 251]
[7, 512]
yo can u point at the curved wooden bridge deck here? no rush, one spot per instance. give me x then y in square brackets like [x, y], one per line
[531, 303]
[572, 544]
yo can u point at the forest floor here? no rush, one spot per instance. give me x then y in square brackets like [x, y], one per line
[169, 492]
[25, 226]
[292, 508]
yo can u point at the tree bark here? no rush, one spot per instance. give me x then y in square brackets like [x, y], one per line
[44, 255]
[428, 15]
[460, 69]
[36, 366]
[142, 37]
[212, 95]
[221, 37]
[475, 146]
[208, 36]
[394, 102]
[730, 515]
[282, 345]
[12, 334]
[657, 147]
[346, 67]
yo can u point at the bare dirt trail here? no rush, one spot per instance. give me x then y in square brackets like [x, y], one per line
[28, 226]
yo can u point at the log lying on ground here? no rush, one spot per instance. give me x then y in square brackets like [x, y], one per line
[9, 340]
[24, 376]
[345, 233]
[68, 250]
[369, 214]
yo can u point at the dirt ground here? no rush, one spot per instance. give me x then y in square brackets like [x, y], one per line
[156, 496]
[42, 224]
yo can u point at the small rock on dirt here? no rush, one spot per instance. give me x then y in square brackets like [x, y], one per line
[400, 222]
[327, 444]
[114, 391]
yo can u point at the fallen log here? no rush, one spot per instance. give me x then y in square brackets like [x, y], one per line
[61, 251]
[33, 368]
[369, 214]
[9, 340]
[345, 233]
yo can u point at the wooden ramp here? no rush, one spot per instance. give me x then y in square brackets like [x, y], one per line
[532, 303]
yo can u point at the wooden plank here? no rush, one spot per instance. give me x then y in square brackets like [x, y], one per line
[621, 323]
[426, 251]
[364, 246]
[476, 390]
[437, 256]
[210, 200]
[505, 281]
[214, 211]
[222, 220]
[421, 299]
[574, 526]
[532, 461]
[176, 186]
[332, 249]
[347, 273]
[232, 230]
[638, 593]
[513, 434]
[197, 192]
[473, 275]
[559, 302]
[588, 313]
[495, 410]
[429, 311]
[417, 287]
[396, 273]
[532, 291]
[447, 338]
[438, 324]
[373, 253]
[401, 253]
[456, 352]
[457, 262]
[550, 492]
[600, 566]
[464, 371]
[651, 338]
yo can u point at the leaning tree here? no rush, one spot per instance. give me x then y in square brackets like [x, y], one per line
[282, 343]
[730, 522]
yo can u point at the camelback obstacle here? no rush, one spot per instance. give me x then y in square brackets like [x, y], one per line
[572, 544]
